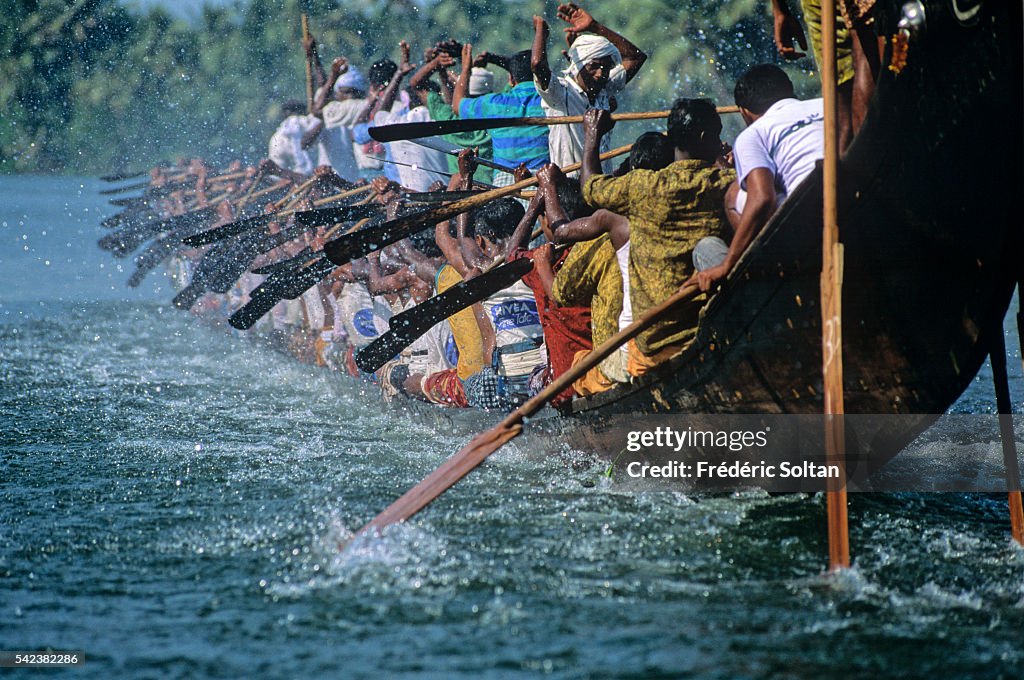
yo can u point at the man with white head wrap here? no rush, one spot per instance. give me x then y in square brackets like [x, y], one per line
[348, 87]
[601, 62]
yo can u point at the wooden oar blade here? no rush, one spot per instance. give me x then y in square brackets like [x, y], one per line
[321, 217]
[344, 249]
[121, 176]
[404, 131]
[285, 265]
[124, 188]
[228, 230]
[445, 476]
[408, 326]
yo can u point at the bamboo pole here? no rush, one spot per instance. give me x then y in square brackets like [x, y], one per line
[831, 302]
[309, 65]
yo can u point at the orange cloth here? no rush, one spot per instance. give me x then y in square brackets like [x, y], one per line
[640, 363]
[593, 381]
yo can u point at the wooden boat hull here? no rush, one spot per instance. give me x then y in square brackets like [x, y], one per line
[932, 251]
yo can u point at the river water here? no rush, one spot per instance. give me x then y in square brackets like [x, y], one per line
[172, 498]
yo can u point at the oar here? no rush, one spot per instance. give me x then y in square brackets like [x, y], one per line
[285, 284]
[453, 150]
[285, 265]
[352, 246]
[483, 445]
[121, 176]
[404, 131]
[409, 325]
[239, 226]
[309, 65]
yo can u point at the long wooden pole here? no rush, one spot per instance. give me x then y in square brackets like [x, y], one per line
[997, 353]
[831, 302]
[309, 65]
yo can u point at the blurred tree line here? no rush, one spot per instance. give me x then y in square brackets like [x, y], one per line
[88, 86]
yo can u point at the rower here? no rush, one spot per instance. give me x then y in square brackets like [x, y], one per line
[601, 63]
[778, 150]
[669, 210]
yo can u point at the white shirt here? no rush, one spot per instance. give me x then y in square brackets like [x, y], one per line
[565, 98]
[513, 313]
[787, 140]
[427, 163]
[285, 146]
[344, 115]
[364, 317]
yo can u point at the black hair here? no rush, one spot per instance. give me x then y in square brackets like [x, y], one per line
[694, 126]
[428, 85]
[570, 197]
[497, 220]
[424, 242]
[762, 86]
[380, 73]
[519, 67]
[651, 151]
[293, 107]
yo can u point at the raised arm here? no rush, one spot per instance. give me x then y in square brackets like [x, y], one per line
[787, 30]
[485, 58]
[387, 98]
[539, 53]
[580, 21]
[323, 95]
[313, 54]
[596, 124]
[521, 236]
[462, 84]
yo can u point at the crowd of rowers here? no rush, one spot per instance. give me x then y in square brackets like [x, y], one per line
[614, 239]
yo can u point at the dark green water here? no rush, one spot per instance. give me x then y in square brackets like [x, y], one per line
[172, 497]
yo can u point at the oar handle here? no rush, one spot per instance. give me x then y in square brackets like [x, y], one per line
[309, 65]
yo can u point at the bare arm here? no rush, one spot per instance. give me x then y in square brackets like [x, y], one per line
[462, 84]
[580, 21]
[539, 53]
[756, 213]
[787, 30]
[596, 124]
[486, 332]
[387, 98]
[521, 236]
[338, 68]
[423, 266]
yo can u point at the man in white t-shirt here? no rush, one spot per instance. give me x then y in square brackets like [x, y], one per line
[339, 104]
[601, 62]
[287, 147]
[784, 138]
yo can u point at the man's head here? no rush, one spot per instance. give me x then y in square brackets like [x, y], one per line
[350, 85]
[759, 88]
[651, 151]
[695, 129]
[494, 222]
[380, 74]
[570, 197]
[424, 242]
[519, 70]
[293, 107]
[481, 82]
[422, 89]
[591, 60]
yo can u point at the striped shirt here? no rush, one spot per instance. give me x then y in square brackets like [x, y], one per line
[513, 145]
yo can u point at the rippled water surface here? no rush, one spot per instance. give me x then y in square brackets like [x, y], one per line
[172, 498]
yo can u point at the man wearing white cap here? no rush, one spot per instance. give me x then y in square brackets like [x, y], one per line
[348, 87]
[601, 62]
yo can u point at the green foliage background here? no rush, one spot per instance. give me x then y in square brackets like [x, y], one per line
[87, 86]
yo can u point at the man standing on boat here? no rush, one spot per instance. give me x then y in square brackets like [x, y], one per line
[784, 139]
[601, 62]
